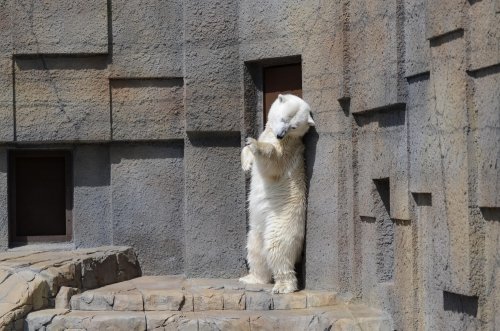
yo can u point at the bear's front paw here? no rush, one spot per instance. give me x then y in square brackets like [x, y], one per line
[246, 159]
[284, 287]
[252, 144]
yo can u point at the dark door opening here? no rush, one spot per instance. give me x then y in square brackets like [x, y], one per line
[40, 196]
[281, 79]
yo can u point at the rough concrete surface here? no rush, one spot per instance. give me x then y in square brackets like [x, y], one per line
[91, 217]
[147, 109]
[444, 17]
[154, 100]
[484, 38]
[214, 227]
[31, 280]
[4, 215]
[58, 27]
[151, 221]
[146, 38]
[375, 54]
[61, 99]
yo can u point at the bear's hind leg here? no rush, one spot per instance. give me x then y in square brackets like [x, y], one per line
[281, 257]
[259, 270]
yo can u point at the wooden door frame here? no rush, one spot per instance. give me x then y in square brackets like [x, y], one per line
[68, 166]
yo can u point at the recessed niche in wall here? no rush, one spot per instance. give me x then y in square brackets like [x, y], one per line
[422, 199]
[459, 303]
[281, 79]
[40, 196]
[383, 189]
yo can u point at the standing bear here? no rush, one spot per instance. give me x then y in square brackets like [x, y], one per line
[277, 199]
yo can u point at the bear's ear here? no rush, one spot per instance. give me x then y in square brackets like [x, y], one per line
[310, 120]
[281, 98]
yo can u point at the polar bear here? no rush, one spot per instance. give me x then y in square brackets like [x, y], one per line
[277, 199]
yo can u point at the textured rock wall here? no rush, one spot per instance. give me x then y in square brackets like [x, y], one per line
[153, 99]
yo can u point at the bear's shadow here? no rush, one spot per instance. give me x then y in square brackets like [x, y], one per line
[310, 141]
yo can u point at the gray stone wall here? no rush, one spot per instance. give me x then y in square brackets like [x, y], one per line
[153, 99]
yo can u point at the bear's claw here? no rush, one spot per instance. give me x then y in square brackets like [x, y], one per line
[283, 287]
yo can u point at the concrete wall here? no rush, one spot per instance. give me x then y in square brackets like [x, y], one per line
[154, 99]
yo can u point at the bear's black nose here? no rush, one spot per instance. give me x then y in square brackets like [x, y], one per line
[280, 136]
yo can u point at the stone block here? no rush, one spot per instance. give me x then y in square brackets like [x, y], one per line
[133, 321]
[449, 111]
[171, 300]
[206, 21]
[324, 64]
[151, 221]
[146, 38]
[171, 282]
[321, 298]
[128, 301]
[6, 98]
[290, 301]
[417, 46]
[215, 227]
[64, 295]
[214, 284]
[91, 196]
[486, 104]
[259, 287]
[208, 300]
[289, 320]
[93, 301]
[444, 16]
[98, 271]
[324, 202]
[6, 29]
[38, 319]
[147, 109]
[60, 27]
[4, 216]
[483, 34]
[222, 321]
[491, 271]
[169, 321]
[382, 154]
[213, 94]
[234, 300]
[259, 301]
[188, 302]
[424, 149]
[213, 71]
[128, 265]
[62, 99]
[375, 58]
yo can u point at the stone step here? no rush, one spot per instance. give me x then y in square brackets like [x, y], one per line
[30, 279]
[339, 317]
[176, 293]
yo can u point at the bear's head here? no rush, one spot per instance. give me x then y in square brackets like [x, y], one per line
[289, 115]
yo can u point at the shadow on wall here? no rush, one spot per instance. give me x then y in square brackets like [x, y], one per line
[394, 115]
[149, 150]
[311, 142]
[459, 303]
[491, 214]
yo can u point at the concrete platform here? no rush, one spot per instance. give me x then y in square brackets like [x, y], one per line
[177, 303]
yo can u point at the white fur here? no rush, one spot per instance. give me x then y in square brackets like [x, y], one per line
[277, 201]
